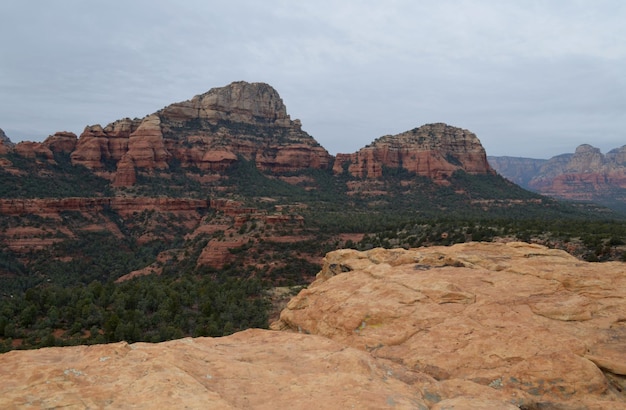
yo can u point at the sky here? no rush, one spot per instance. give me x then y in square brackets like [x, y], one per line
[531, 78]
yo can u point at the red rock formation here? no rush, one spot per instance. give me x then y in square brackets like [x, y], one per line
[98, 146]
[434, 150]
[585, 175]
[29, 149]
[125, 174]
[146, 146]
[208, 132]
[62, 141]
[6, 145]
[122, 205]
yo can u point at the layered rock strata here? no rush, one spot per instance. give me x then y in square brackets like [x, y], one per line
[433, 150]
[586, 174]
[209, 132]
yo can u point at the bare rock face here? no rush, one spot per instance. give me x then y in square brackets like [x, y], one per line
[126, 174]
[242, 119]
[518, 170]
[61, 141]
[146, 146]
[433, 150]
[585, 175]
[209, 132]
[536, 325]
[5, 143]
[98, 146]
[255, 369]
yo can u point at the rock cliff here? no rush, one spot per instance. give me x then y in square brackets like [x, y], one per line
[435, 151]
[586, 174]
[208, 132]
[5, 143]
[476, 325]
[516, 169]
[211, 131]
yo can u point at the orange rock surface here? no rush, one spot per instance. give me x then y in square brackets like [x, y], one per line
[537, 325]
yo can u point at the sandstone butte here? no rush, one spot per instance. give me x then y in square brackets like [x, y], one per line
[213, 130]
[471, 326]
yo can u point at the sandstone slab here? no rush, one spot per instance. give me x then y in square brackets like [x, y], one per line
[255, 369]
[536, 324]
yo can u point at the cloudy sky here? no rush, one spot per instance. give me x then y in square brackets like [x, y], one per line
[532, 78]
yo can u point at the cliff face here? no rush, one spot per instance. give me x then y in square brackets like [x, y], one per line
[213, 130]
[518, 170]
[476, 325]
[208, 133]
[586, 174]
[435, 151]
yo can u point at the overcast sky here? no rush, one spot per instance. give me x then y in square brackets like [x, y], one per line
[531, 78]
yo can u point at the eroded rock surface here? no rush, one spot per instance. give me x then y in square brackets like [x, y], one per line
[537, 325]
[254, 369]
[435, 151]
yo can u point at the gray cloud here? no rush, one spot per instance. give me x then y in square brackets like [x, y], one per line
[530, 78]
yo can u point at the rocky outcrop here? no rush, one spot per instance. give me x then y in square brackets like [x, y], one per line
[99, 148]
[255, 369]
[537, 326]
[208, 132]
[586, 174]
[5, 143]
[249, 121]
[476, 325]
[435, 151]
[62, 141]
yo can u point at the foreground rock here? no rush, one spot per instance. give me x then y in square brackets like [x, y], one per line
[537, 325]
[471, 326]
[253, 369]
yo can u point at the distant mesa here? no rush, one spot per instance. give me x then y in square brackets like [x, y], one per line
[585, 175]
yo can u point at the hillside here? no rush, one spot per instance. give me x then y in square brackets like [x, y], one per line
[129, 231]
[586, 175]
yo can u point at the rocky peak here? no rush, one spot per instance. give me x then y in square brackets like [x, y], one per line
[61, 141]
[586, 158]
[4, 140]
[5, 143]
[238, 102]
[617, 156]
[208, 132]
[432, 150]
